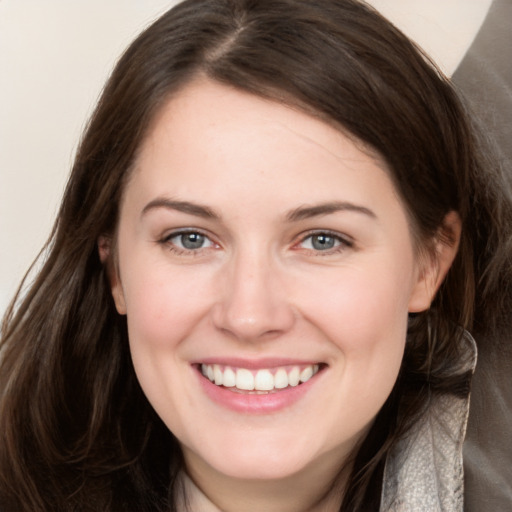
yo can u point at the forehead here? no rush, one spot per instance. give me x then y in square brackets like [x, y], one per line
[210, 142]
[209, 105]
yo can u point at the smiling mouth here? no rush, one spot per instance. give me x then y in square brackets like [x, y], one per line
[262, 381]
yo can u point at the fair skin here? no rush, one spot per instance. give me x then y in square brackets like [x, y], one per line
[257, 240]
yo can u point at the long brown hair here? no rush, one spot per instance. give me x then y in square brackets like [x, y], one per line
[76, 432]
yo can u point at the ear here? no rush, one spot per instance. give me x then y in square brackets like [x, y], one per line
[105, 251]
[436, 266]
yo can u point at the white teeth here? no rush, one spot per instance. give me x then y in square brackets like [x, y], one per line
[294, 377]
[261, 380]
[229, 378]
[281, 379]
[305, 374]
[244, 379]
[217, 374]
[264, 381]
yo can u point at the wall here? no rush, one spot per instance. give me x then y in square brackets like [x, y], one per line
[54, 58]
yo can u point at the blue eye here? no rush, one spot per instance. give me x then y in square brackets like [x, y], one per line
[324, 242]
[190, 241]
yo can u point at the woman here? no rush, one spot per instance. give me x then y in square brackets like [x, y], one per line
[276, 230]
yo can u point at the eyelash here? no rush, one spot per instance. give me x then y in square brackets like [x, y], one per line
[167, 241]
[342, 242]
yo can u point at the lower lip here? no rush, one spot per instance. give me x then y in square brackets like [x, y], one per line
[256, 403]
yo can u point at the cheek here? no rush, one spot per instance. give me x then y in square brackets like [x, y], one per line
[163, 309]
[369, 331]
[162, 305]
[359, 309]
[364, 314]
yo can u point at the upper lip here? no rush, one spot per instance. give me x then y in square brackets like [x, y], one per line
[255, 364]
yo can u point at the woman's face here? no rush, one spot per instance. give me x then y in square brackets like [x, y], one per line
[260, 247]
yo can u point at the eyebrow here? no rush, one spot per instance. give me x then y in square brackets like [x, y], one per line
[181, 206]
[306, 212]
[301, 213]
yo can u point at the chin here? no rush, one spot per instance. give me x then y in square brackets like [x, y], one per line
[277, 459]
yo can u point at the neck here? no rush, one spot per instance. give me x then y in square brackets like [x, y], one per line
[318, 489]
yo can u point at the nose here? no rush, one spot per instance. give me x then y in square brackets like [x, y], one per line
[253, 304]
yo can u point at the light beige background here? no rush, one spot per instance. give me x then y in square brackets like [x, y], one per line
[54, 58]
